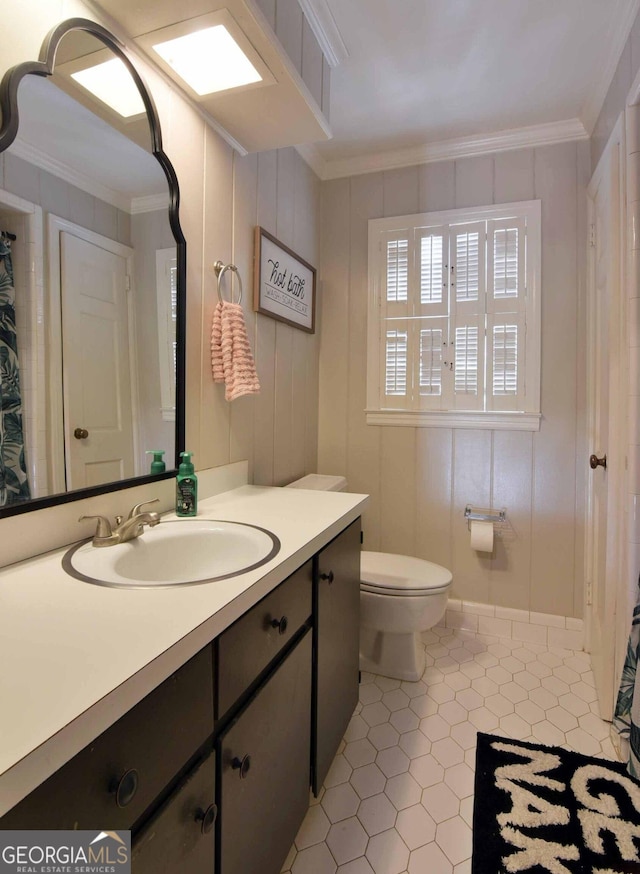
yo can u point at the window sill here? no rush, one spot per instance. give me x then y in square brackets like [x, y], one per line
[494, 421]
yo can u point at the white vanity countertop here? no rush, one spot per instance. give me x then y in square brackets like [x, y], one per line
[76, 656]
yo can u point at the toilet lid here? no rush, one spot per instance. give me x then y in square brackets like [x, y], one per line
[385, 573]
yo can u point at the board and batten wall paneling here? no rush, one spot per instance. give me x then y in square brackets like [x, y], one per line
[217, 243]
[223, 197]
[242, 410]
[333, 299]
[364, 446]
[421, 479]
[554, 518]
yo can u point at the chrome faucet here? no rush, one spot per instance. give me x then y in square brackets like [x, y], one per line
[131, 527]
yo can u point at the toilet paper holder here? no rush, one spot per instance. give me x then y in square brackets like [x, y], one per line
[475, 514]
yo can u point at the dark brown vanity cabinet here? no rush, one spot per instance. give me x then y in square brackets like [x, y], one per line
[336, 646]
[264, 737]
[211, 771]
[114, 781]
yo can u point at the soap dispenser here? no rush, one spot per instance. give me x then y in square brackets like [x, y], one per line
[186, 487]
[157, 465]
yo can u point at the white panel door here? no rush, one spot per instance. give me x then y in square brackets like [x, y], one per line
[96, 371]
[602, 565]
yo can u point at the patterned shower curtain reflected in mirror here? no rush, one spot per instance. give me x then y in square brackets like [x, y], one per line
[14, 485]
[627, 716]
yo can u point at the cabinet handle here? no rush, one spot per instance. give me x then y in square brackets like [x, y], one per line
[207, 818]
[280, 624]
[243, 765]
[328, 577]
[126, 787]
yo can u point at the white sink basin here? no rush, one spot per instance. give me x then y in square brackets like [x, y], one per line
[174, 553]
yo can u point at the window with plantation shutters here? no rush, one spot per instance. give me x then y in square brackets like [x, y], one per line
[167, 308]
[454, 318]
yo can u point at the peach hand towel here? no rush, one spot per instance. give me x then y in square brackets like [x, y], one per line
[231, 358]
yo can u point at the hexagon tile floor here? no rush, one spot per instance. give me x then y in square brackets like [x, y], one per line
[399, 796]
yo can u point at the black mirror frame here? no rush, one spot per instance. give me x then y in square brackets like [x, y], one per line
[45, 66]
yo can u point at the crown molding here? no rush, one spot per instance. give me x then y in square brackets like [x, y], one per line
[38, 158]
[325, 30]
[446, 150]
[616, 44]
[149, 203]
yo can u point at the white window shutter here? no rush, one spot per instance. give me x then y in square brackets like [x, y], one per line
[468, 262]
[430, 340]
[432, 272]
[506, 284]
[468, 363]
[396, 373]
[505, 361]
[167, 300]
[396, 253]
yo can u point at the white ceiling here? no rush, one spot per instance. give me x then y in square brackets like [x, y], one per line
[425, 71]
[426, 79]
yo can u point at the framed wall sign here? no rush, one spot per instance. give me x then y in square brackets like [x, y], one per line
[284, 284]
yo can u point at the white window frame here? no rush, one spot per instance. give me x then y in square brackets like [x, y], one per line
[165, 263]
[526, 418]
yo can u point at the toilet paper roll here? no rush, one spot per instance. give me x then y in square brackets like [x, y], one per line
[482, 536]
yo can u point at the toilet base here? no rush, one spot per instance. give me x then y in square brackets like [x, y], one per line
[399, 656]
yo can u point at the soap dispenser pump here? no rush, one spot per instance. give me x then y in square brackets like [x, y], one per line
[186, 487]
[157, 465]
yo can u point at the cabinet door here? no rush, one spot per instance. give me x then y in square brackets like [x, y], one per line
[336, 642]
[264, 764]
[180, 837]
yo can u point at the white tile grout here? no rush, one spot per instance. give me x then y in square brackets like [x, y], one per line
[399, 796]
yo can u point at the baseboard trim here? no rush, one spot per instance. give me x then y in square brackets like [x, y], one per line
[545, 629]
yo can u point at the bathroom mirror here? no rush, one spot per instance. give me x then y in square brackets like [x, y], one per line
[91, 246]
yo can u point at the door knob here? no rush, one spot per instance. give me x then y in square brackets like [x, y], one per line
[594, 461]
[81, 433]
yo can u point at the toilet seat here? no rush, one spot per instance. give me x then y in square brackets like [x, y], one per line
[383, 573]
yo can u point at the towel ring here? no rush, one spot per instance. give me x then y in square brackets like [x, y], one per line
[220, 268]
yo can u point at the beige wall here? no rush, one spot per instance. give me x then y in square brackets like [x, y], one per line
[223, 196]
[421, 479]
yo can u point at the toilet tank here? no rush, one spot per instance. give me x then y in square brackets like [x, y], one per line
[320, 482]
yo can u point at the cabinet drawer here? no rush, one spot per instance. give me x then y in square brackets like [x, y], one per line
[180, 837]
[149, 745]
[247, 647]
[264, 770]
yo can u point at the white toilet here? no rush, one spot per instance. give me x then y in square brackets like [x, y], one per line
[400, 597]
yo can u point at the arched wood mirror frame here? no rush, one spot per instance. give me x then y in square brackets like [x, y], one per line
[45, 66]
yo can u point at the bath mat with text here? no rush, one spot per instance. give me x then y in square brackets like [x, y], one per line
[544, 809]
